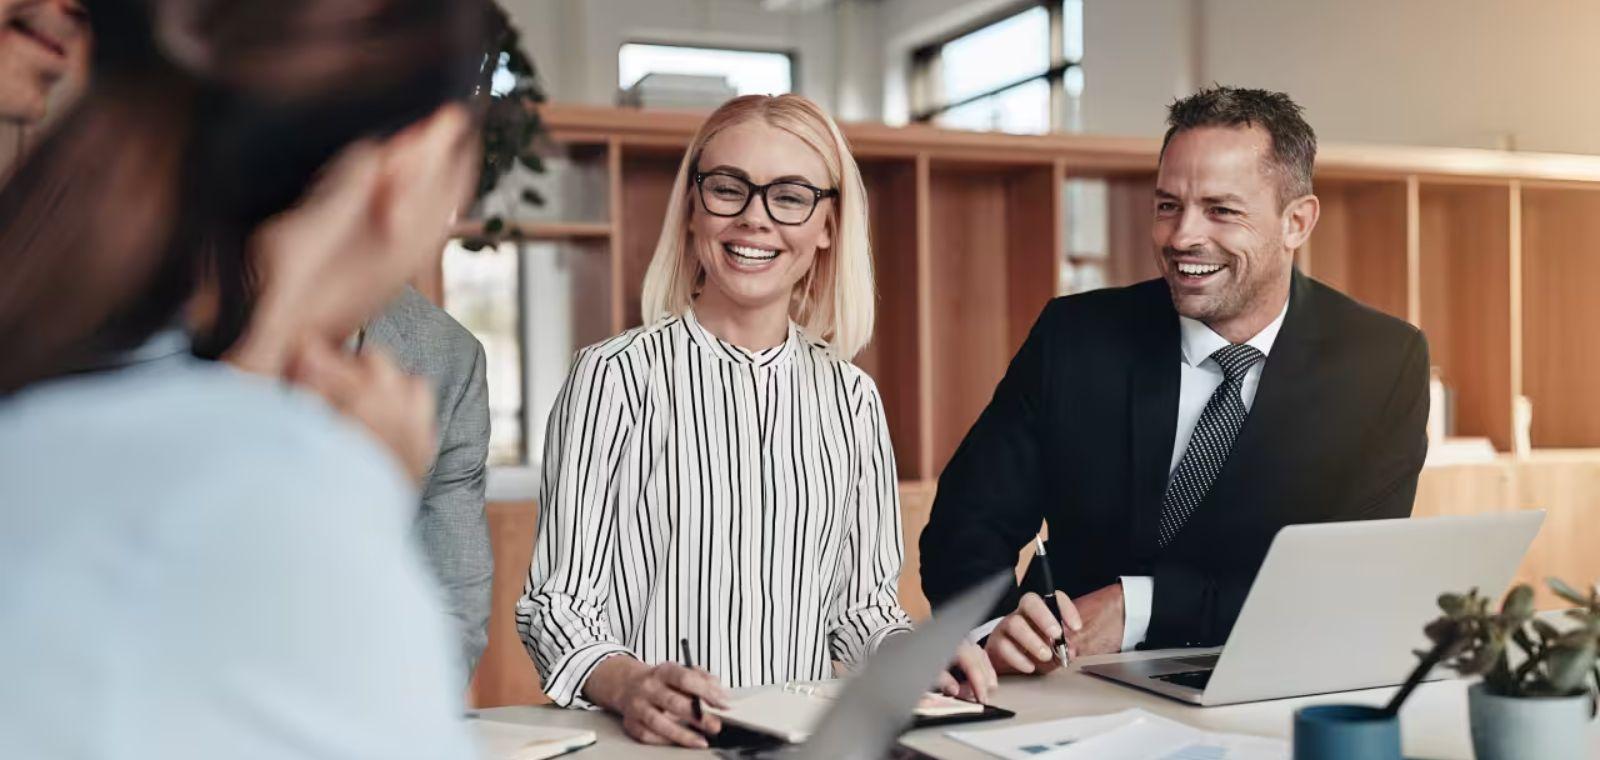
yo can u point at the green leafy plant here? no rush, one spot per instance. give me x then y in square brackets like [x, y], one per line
[1518, 653]
[513, 133]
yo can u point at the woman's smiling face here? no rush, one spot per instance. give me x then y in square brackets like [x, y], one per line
[751, 261]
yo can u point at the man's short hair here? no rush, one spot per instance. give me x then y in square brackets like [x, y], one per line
[1294, 145]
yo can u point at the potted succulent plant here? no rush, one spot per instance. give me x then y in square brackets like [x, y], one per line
[1537, 696]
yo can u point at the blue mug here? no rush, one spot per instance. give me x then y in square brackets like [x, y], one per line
[1345, 732]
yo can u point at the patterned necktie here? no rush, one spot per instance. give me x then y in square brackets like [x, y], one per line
[1212, 440]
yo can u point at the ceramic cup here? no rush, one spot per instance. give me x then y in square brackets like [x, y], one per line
[1343, 732]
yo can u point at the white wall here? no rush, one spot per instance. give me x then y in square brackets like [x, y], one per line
[575, 42]
[1476, 73]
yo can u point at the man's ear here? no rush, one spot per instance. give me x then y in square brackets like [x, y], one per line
[1299, 219]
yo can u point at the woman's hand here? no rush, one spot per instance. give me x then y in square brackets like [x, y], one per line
[656, 702]
[368, 387]
[978, 680]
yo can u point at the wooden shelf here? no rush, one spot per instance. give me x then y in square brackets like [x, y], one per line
[895, 357]
[1465, 270]
[995, 235]
[1360, 244]
[1560, 308]
[534, 231]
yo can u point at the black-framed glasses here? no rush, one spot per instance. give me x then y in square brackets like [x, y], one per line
[788, 203]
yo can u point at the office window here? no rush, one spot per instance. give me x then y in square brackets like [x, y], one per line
[748, 72]
[1086, 215]
[1018, 73]
[482, 290]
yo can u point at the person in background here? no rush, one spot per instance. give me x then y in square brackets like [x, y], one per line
[44, 39]
[427, 342]
[723, 476]
[193, 559]
[41, 42]
[1167, 431]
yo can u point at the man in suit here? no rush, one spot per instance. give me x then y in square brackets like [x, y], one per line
[426, 342]
[1165, 432]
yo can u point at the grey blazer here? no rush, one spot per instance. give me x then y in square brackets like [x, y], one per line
[451, 524]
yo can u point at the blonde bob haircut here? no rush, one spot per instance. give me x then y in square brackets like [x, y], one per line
[835, 302]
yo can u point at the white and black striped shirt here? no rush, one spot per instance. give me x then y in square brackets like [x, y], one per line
[746, 501]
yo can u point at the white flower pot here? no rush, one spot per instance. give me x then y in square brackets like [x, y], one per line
[1528, 728]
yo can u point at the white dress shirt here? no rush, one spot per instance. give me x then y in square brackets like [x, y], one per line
[743, 500]
[1198, 377]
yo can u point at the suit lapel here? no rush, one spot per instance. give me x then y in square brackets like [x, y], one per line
[1153, 422]
[1289, 368]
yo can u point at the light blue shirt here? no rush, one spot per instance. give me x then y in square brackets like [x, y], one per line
[199, 563]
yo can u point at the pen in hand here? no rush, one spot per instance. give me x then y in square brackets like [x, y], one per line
[1050, 588]
[683, 656]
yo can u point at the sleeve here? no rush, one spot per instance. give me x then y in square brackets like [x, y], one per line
[1138, 594]
[561, 615]
[1196, 608]
[866, 599]
[452, 525]
[260, 613]
[1386, 484]
[987, 504]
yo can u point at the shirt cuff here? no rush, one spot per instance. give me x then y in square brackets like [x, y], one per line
[567, 678]
[874, 643]
[1138, 593]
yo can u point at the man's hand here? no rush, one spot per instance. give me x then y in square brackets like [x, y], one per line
[1024, 642]
[1103, 621]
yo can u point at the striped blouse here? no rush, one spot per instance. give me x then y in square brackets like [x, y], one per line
[745, 501]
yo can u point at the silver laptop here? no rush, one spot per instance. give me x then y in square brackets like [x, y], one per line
[877, 704]
[1340, 606]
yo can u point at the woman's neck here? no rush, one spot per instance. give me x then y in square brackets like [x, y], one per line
[754, 329]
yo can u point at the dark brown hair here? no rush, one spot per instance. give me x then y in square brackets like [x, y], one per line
[1294, 144]
[203, 119]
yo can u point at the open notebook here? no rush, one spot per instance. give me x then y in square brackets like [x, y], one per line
[791, 712]
[519, 741]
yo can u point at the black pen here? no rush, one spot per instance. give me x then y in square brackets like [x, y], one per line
[1050, 588]
[683, 654]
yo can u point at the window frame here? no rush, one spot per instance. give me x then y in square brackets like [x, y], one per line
[926, 106]
[788, 52]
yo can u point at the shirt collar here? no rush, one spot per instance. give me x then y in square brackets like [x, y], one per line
[1200, 341]
[766, 357]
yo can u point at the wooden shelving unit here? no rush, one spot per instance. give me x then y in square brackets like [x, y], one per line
[967, 230]
[1493, 254]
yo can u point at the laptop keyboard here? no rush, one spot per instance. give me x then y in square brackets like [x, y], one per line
[1194, 679]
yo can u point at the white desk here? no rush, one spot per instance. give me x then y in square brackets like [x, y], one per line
[1433, 723]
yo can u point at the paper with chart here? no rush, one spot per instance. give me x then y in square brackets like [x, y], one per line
[1127, 735]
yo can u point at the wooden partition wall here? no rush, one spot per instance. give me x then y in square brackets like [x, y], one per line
[1495, 255]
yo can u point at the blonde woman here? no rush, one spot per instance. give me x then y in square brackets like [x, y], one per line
[723, 476]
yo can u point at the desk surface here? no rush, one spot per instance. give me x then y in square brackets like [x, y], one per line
[1433, 723]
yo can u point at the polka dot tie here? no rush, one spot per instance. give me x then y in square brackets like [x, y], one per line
[1209, 445]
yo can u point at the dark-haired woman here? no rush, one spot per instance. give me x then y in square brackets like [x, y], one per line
[197, 561]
